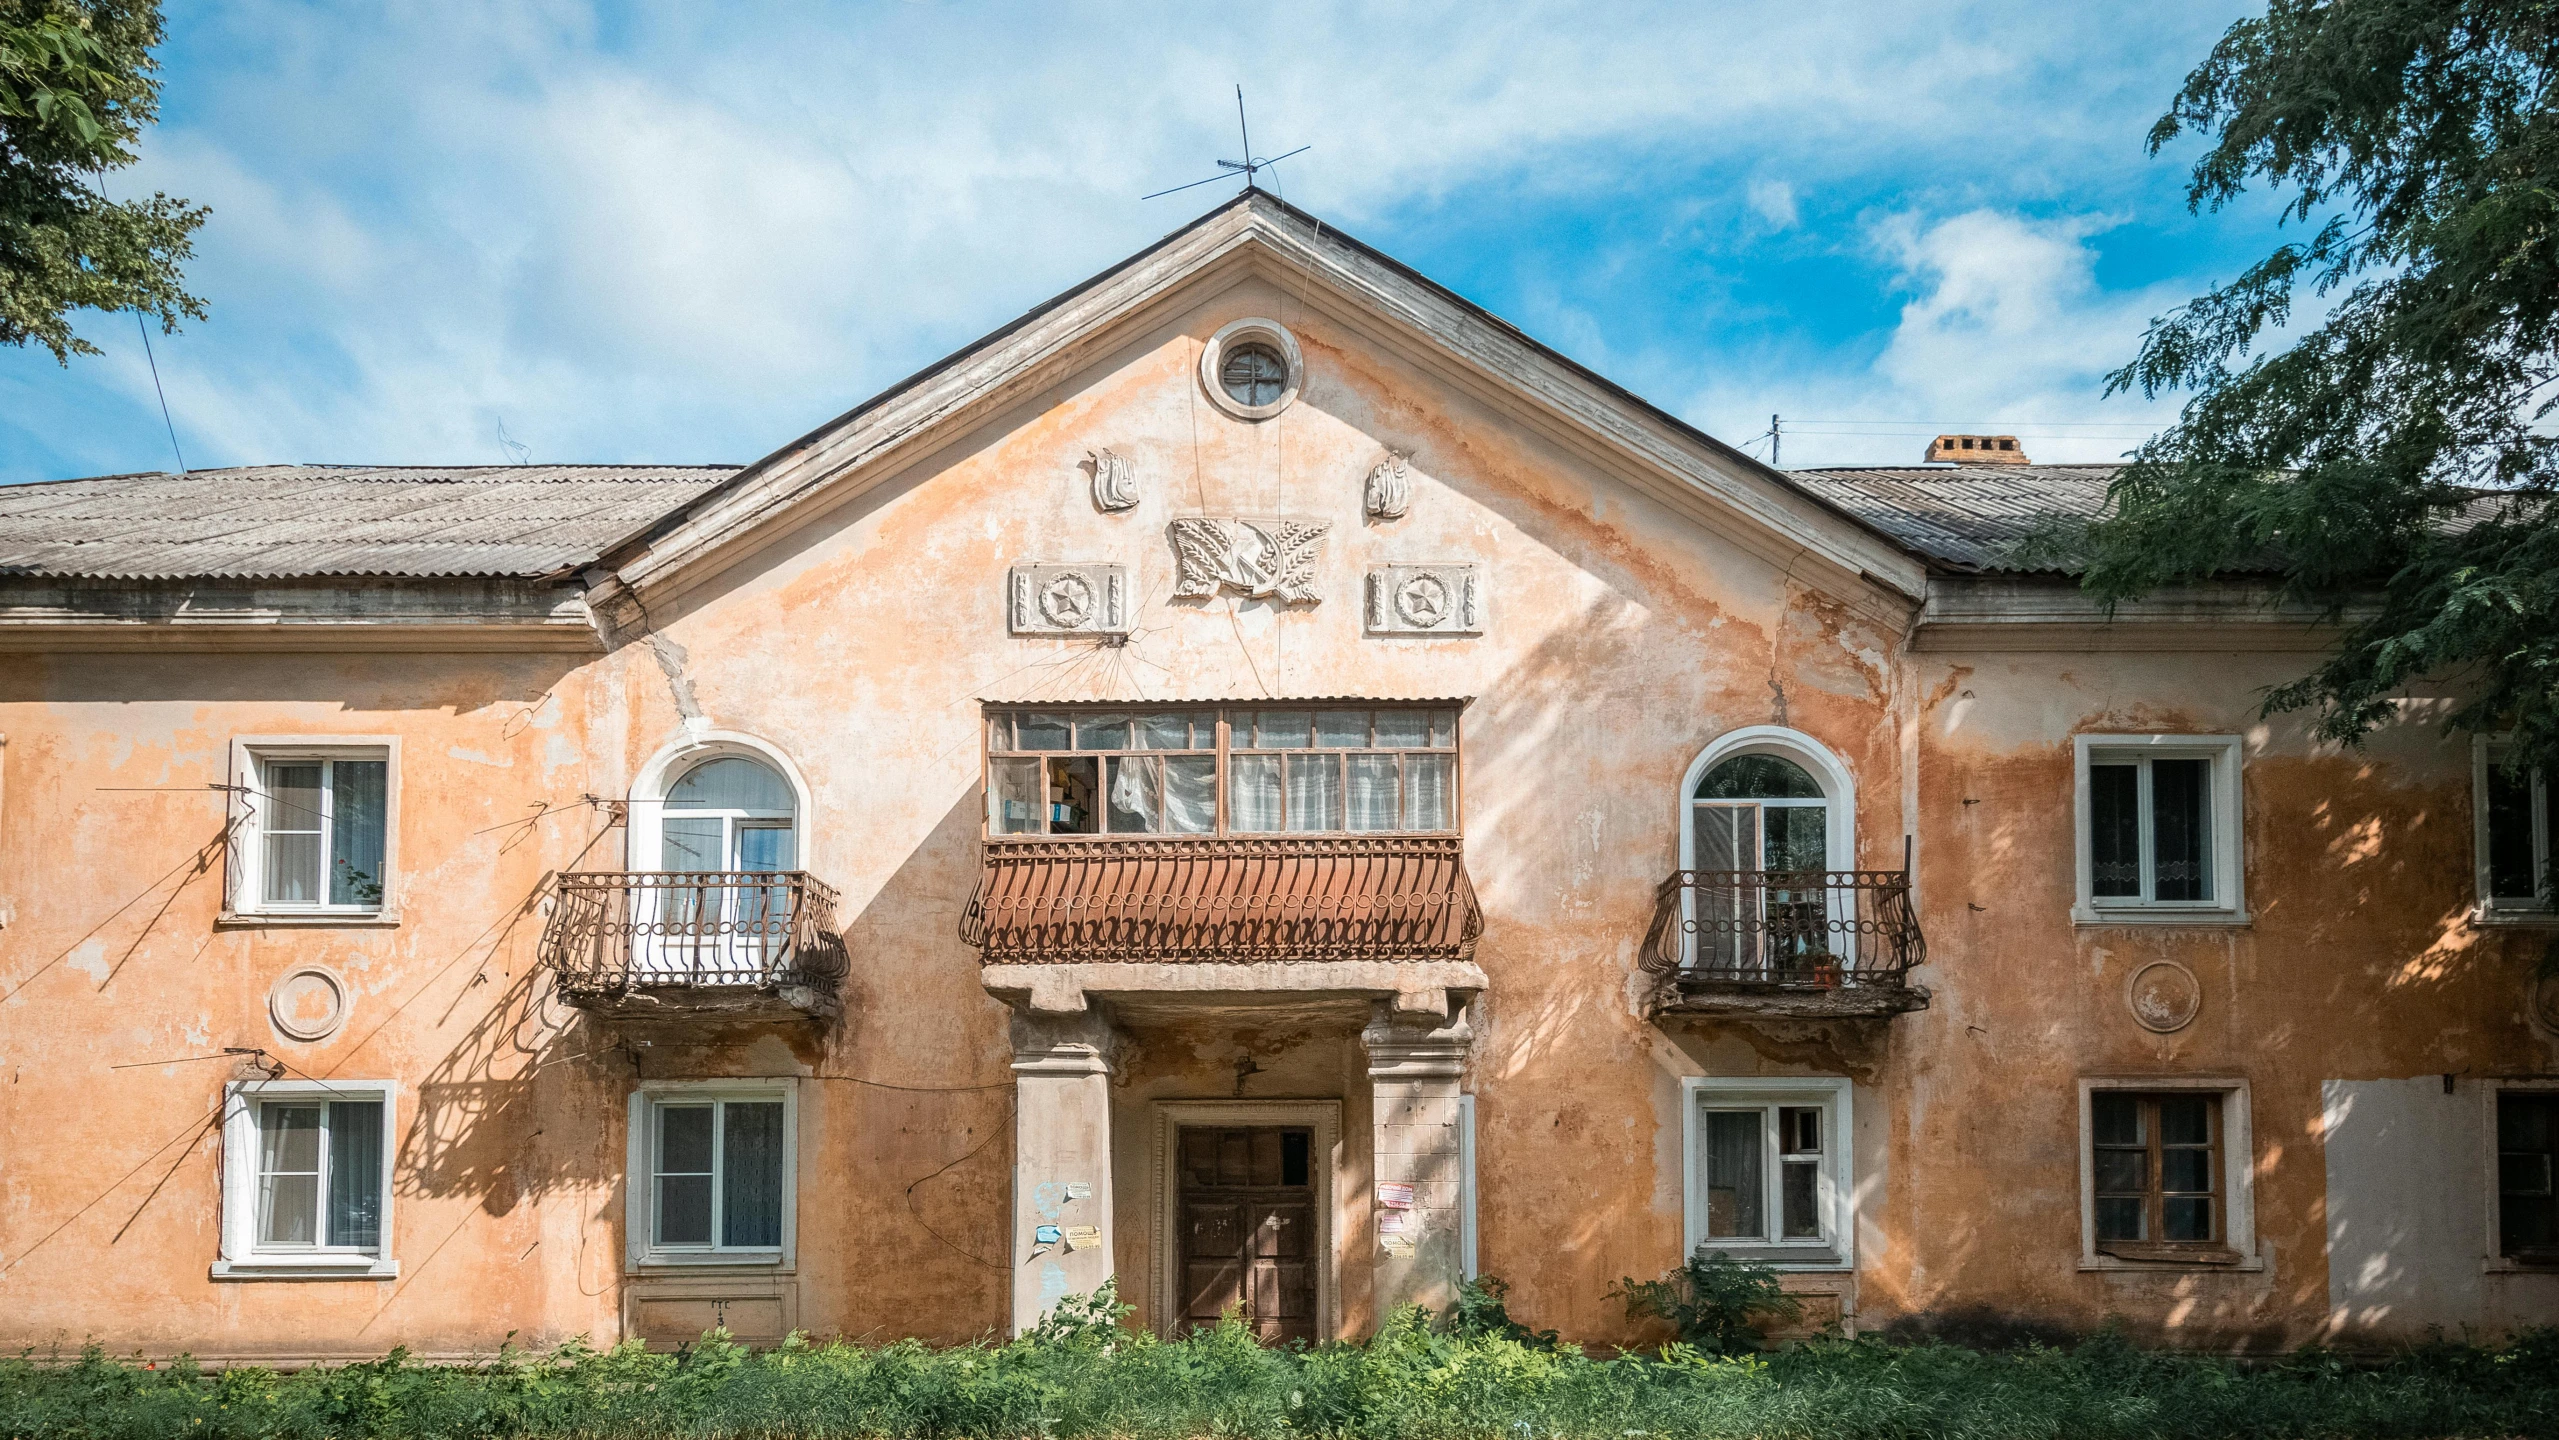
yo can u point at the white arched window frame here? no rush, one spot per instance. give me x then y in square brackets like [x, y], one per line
[1838, 801]
[726, 932]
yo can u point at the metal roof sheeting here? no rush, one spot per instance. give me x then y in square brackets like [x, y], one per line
[291, 521]
[1966, 516]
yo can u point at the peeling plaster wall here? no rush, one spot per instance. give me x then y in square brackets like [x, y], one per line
[1623, 638]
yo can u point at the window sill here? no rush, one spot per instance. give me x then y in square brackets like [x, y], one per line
[2516, 917]
[315, 1267]
[2512, 1265]
[1789, 1259]
[306, 919]
[773, 1261]
[2088, 918]
[2167, 1262]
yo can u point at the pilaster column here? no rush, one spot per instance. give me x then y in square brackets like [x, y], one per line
[1414, 1069]
[1062, 1067]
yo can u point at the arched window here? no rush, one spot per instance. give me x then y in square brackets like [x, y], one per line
[729, 813]
[1766, 816]
[1759, 812]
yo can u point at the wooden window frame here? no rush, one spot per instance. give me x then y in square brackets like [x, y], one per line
[2234, 1176]
[639, 1176]
[2154, 1194]
[2229, 905]
[1223, 751]
[2498, 1261]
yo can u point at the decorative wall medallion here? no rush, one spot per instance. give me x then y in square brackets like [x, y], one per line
[309, 1002]
[1426, 600]
[2164, 996]
[1259, 559]
[1069, 600]
[1390, 487]
[1114, 481]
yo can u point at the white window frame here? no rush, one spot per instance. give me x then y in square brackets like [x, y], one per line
[640, 1176]
[240, 1257]
[1836, 1250]
[2488, 910]
[2495, 1261]
[2237, 1161]
[244, 879]
[2229, 905]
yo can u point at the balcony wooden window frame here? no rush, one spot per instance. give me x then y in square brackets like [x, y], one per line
[245, 872]
[2234, 1168]
[2486, 753]
[999, 724]
[640, 1189]
[1834, 1096]
[2228, 902]
[241, 1256]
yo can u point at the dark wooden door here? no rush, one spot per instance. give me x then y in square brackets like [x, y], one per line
[1248, 1229]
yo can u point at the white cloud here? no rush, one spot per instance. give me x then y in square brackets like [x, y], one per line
[1774, 202]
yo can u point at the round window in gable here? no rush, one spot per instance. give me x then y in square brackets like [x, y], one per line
[1252, 369]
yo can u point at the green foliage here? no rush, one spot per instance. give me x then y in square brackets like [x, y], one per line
[2393, 465]
[1482, 1312]
[77, 85]
[1714, 1301]
[1410, 1382]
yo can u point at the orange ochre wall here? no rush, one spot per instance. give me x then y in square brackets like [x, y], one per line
[1622, 638]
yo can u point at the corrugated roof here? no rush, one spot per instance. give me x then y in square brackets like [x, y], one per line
[286, 521]
[1968, 516]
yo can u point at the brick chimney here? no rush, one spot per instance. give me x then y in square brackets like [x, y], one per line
[1975, 450]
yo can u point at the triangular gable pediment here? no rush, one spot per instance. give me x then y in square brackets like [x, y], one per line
[1371, 294]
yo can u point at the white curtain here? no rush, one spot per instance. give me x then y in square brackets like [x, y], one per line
[1190, 794]
[1372, 792]
[1428, 797]
[1253, 793]
[1314, 792]
[1134, 792]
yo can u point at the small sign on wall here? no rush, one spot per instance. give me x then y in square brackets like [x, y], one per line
[1394, 1195]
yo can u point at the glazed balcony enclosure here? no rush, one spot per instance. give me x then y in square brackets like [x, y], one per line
[696, 945]
[1308, 845]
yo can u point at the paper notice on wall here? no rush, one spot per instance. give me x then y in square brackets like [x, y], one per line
[1394, 1195]
[1083, 1237]
[1397, 1244]
[1079, 1190]
[1396, 1222]
[1046, 1235]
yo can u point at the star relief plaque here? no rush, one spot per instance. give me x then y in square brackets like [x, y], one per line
[1425, 599]
[1068, 599]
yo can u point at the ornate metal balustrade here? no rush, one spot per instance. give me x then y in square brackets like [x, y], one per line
[1785, 942]
[655, 942]
[1224, 898]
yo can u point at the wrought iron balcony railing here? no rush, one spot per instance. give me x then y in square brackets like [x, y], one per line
[1792, 929]
[616, 932]
[1223, 898]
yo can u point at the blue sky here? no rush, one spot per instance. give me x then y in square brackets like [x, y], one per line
[689, 232]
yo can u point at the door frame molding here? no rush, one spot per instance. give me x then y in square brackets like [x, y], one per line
[1324, 1117]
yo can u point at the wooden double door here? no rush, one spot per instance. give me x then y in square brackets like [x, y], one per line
[1247, 1228]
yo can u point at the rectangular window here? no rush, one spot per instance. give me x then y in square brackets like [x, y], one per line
[306, 1179]
[2514, 834]
[2166, 1174]
[2159, 825]
[714, 1173]
[312, 828]
[1768, 1171]
[1235, 771]
[2527, 1167]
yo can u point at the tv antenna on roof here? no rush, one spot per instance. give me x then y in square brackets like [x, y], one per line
[1248, 166]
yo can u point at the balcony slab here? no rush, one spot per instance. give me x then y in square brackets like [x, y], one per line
[1710, 999]
[1413, 988]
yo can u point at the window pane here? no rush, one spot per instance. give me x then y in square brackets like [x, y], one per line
[2527, 1122]
[766, 848]
[2511, 872]
[1314, 792]
[1443, 728]
[1735, 1191]
[2114, 829]
[1190, 794]
[1758, 777]
[293, 869]
[999, 732]
[289, 1175]
[2181, 828]
[1802, 1218]
[2185, 1120]
[1253, 793]
[1798, 837]
[1404, 728]
[2118, 1119]
[1430, 792]
[731, 782]
[1013, 797]
[293, 797]
[358, 789]
[2186, 1219]
[1136, 793]
[1074, 796]
[684, 1210]
[1283, 729]
[2120, 1219]
[291, 816]
[751, 1176]
[355, 1173]
[1341, 728]
[2122, 1171]
[692, 842]
[1373, 789]
[2187, 1169]
[1101, 732]
[684, 1139]
[1168, 732]
[1039, 732]
[1799, 1130]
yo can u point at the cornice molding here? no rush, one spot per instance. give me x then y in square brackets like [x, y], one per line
[368, 614]
[2053, 614]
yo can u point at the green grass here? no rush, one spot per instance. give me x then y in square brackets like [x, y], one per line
[1409, 1383]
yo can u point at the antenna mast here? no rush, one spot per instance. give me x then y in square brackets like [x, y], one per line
[1776, 438]
[1249, 166]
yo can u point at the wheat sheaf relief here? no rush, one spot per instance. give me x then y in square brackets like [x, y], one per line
[1259, 559]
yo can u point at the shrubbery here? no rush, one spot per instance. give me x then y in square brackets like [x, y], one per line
[1085, 1376]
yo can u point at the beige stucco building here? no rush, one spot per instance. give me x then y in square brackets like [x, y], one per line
[1256, 779]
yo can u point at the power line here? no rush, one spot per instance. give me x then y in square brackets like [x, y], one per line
[154, 362]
